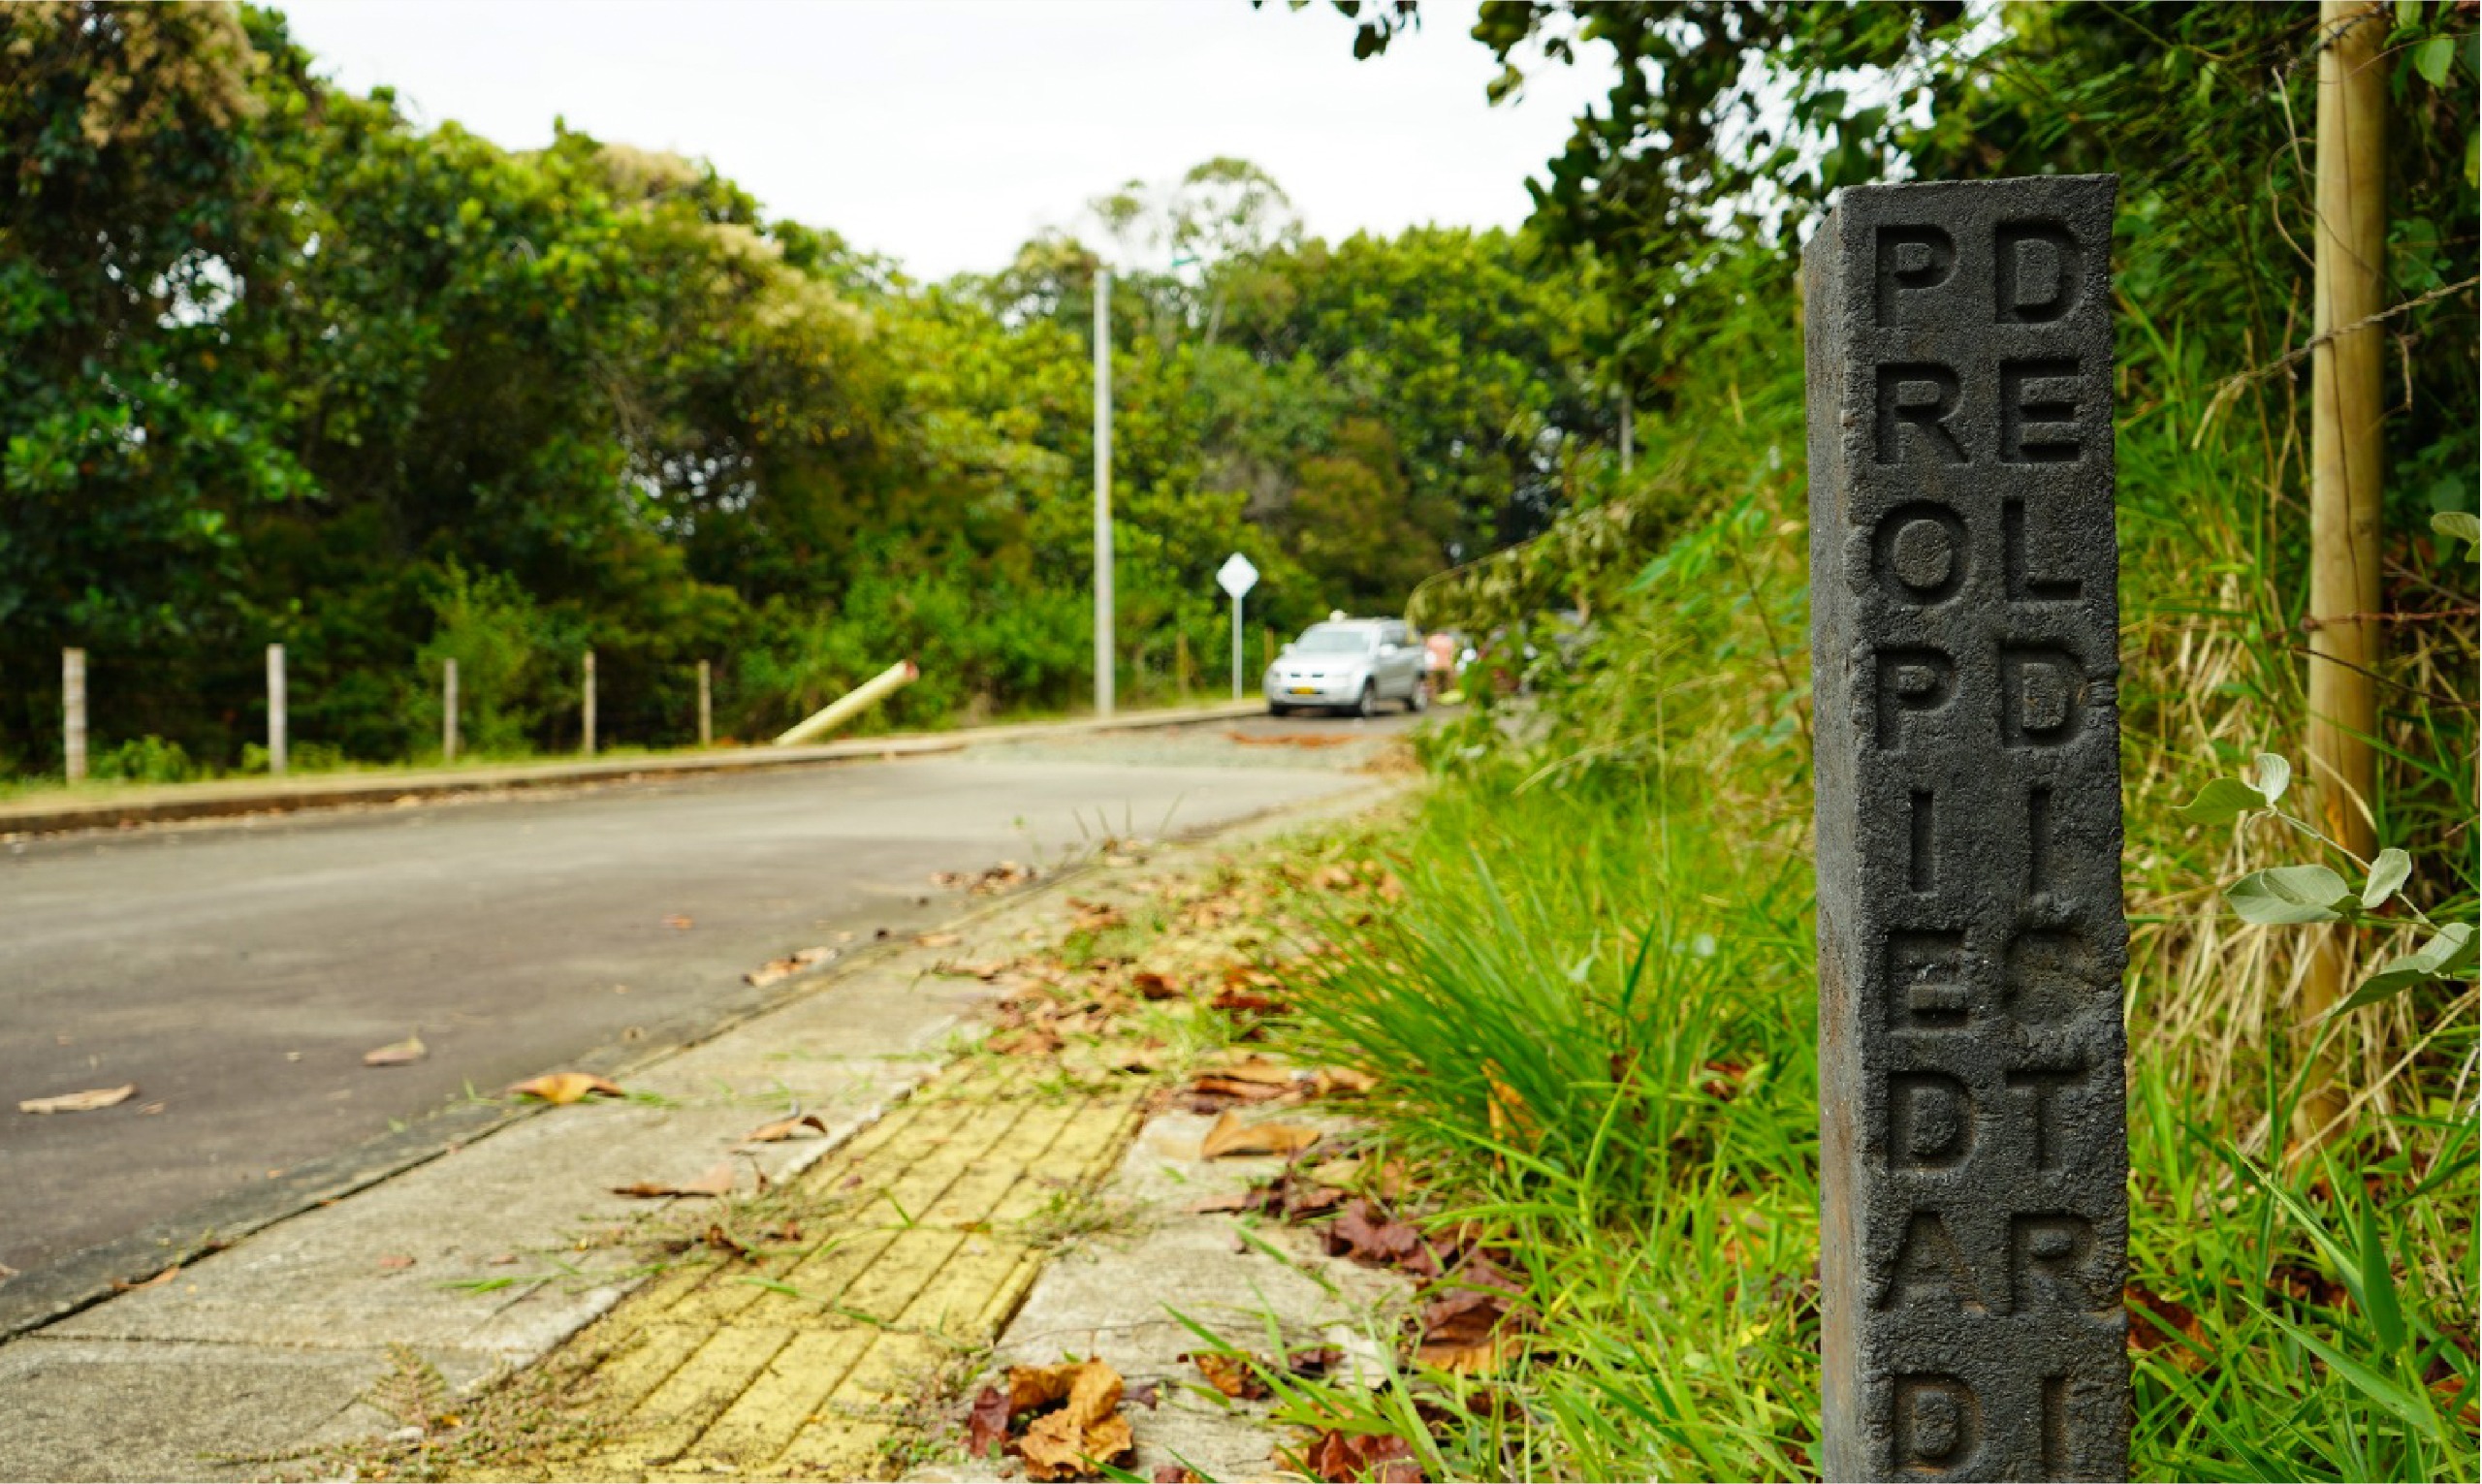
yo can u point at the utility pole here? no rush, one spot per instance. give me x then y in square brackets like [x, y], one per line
[2346, 452]
[1102, 492]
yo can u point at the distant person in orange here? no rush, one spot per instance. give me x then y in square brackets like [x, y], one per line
[1441, 670]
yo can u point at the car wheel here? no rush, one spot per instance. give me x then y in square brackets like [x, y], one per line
[1368, 704]
[1278, 709]
[1420, 699]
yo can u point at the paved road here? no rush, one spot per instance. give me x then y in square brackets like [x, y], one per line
[237, 973]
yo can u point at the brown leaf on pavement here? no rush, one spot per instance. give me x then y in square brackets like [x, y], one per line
[395, 1261]
[1345, 1457]
[986, 970]
[1174, 1473]
[1263, 1072]
[987, 1424]
[784, 1128]
[1343, 1082]
[775, 970]
[563, 1088]
[715, 1182]
[678, 922]
[1231, 1136]
[157, 1281]
[938, 939]
[1368, 1235]
[1231, 1374]
[403, 1052]
[81, 1102]
[1084, 1434]
[1093, 916]
[1151, 985]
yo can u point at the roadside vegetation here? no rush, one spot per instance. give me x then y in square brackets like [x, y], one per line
[279, 364]
[1593, 1010]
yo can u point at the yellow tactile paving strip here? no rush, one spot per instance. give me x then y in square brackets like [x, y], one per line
[914, 1249]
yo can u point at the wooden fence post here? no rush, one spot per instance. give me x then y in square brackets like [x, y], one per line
[448, 711]
[706, 705]
[588, 698]
[275, 712]
[72, 714]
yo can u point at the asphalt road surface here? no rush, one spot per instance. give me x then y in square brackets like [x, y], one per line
[238, 972]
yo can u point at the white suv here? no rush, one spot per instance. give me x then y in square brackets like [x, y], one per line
[1355, 663]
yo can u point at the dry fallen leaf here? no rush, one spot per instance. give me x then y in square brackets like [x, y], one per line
[679, 923]
[1343, 1079]
[987, 1425]
[81, 1102]
[157, 1281]
[1231, 1136]
[395, 1261]
[715, 1182]
[561, 1087]
[1342, 1458]
[775, 970]
[1260, 1069]
[784, 1128]
[938, 939]
[1087, 1433]
[403, 1052]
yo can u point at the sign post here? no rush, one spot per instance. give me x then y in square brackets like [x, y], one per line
[1964, 620]
[1236, 577]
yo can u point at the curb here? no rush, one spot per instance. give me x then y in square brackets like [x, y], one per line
[210, 800]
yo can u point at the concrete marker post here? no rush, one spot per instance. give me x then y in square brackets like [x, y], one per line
[72, 714]
[706, 705]
[586, 698]
[1963, 580]
[275, 712]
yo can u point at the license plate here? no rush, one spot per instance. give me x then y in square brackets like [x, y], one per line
[1305, 690]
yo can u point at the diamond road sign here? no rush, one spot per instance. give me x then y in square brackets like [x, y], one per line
[1236, 576]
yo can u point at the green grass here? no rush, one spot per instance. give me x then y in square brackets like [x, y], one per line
[1629, 976]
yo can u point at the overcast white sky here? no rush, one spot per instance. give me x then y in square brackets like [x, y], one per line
[946, 132]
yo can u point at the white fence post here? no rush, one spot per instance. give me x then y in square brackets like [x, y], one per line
[590, 703]
[275, 710]
[73, 713]
[448, 711]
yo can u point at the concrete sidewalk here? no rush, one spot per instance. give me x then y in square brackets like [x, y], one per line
[105, 805]
[494, 1253]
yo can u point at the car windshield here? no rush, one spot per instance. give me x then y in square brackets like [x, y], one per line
[1337, 641]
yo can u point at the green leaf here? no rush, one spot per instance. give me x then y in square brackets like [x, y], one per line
[2369, 1383]
[2290, 894]
[2433, 57]
[2222, 801]
[2408, 14]
[2378, 1283]
[2275, 775]
[2394, 866]
[2462, 524]
[2450, 953]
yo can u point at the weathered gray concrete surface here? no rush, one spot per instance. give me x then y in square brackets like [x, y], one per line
[236, 971]
[269, 1346]
[1121, 1297]
[1974, 1154]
